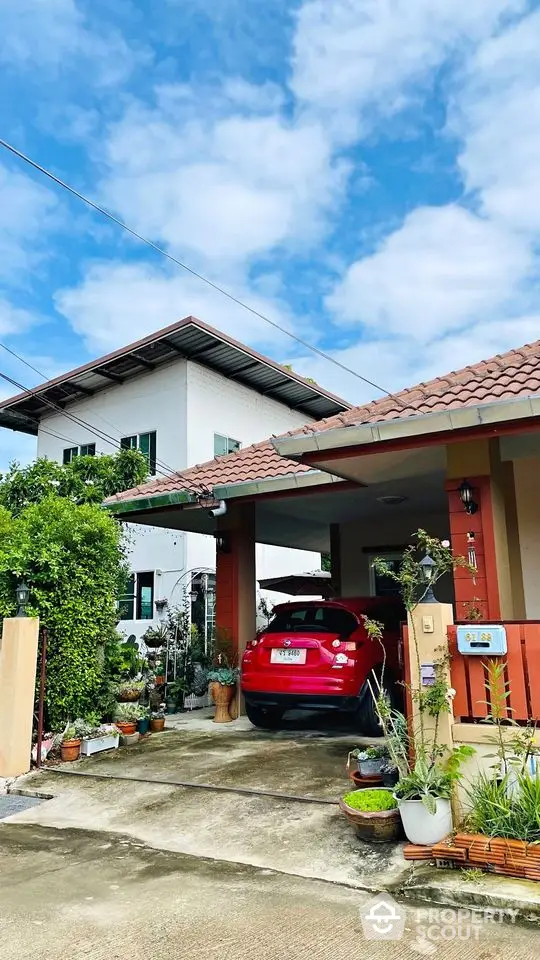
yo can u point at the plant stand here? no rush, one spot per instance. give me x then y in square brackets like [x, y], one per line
[222, 695]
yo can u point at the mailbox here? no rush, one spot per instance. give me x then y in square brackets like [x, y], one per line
[488, 640]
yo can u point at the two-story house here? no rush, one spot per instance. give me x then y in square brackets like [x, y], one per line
[182, 395]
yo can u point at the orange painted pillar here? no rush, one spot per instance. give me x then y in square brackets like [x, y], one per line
[236, 598]
[474, 535]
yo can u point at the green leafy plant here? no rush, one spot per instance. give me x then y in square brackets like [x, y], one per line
[370, 800]
[226, 676]
[158, 714]
[505, 807]
[128, 712]
[427, 769]
[371, 753]
[130, 688]
[70, 733]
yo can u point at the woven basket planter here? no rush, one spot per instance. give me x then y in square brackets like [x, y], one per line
[511, 858]
[377, 826]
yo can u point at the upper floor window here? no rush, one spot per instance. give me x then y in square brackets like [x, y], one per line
[146, 443]
[85, 450]
[223, 445]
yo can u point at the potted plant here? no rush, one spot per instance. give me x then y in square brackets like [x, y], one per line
[374, 813]
[143, 723]
[156, 637]
[71, 744]
[126, 717]
[157, 720]
[130, 691]
[222, 686]
[370, 761]
[96, 738]
[389, 773]
[428, 771]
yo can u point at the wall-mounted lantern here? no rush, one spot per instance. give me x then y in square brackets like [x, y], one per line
[466, 496]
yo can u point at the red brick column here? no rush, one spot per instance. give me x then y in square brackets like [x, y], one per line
[474, 533]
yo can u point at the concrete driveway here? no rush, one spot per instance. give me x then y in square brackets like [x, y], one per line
[89, 896]
[257, 798]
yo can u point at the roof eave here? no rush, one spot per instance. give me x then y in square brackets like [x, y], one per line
[137, 504]
[460, 418]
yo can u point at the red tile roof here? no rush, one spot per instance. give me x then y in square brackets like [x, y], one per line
[506, 376]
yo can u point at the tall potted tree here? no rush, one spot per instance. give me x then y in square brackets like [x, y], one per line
[428, 771]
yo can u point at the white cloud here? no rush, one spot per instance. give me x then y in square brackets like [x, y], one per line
[54, 34]
[117, 303]
[443, 268]
[27, 212]
[355, 55]
[205, 176]
[497, 113]
[15, 320]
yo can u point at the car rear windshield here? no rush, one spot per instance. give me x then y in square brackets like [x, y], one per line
[313, 617]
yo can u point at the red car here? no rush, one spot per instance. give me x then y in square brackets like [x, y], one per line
[317, 655]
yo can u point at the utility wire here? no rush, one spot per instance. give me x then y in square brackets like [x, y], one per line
[70, 397]
[78, 420]
[188, 269]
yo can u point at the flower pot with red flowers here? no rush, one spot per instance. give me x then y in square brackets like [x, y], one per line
[222, 686]
[71, 744]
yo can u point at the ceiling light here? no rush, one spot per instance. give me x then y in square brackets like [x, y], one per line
[391, 500]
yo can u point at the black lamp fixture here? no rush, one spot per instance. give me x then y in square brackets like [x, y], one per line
[466, 496]
[427, 568]
[23, 595]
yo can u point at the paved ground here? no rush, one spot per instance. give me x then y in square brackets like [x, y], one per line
[300, 838]
[90, 896]
[125, 862]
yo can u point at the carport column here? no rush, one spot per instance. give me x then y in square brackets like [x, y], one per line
[236, 598]
[18, 660]
[428, 643]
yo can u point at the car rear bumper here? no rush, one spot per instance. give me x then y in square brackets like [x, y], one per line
[300, 701]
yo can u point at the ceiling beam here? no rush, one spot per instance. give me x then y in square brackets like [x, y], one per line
[147, 364]
[109, 375]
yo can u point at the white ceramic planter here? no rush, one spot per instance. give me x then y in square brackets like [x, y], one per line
[423, 827]
[97, 744]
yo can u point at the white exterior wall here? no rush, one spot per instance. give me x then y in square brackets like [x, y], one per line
[186, 403]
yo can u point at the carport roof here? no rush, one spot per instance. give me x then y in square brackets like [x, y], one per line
[509, 376]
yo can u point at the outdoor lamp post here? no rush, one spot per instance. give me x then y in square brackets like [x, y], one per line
[23, 595]
[466, 497]
[427, 567]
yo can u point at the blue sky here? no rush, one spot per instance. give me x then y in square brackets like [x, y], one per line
[365, 172]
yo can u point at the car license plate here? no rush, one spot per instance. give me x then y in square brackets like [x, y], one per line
[292, 655]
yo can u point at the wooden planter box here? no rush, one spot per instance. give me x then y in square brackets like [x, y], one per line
[511, 858]
[97, 744]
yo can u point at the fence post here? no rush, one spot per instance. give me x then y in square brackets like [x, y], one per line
[18, 661]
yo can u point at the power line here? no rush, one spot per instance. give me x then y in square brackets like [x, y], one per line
[190, 270]
[79, 421]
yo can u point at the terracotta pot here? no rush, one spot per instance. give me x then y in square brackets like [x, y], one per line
[70, 750]
[222, 695]
[157, 725]
[130, 696]
[126, 727]
[160, 680]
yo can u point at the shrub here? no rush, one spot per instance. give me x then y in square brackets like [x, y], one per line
[508, 807]
[370, 800]
[72, 558]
